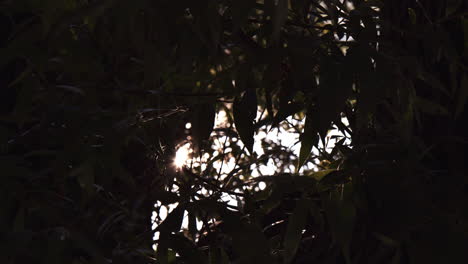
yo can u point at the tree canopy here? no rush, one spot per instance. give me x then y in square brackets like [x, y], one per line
[96, 96]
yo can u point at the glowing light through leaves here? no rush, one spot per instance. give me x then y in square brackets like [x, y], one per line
[182, 156]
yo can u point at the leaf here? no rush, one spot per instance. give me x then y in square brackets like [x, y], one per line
[412, 16]
[248, 240]
[308, 139]
[285, 111]
[271, 79]
[334, 89]
[72, 89]
[187, 250]
[245, 111]
[171, 224]
[303, 60]
[166, 197]
[319, 175]
[296, 223]
[26, 73]
[341, 216]
[173, 221]
[202, 124]
[432, 81]
[192, 225]
[334, 178]
[386, 240]
[110, 221]
[358, 59]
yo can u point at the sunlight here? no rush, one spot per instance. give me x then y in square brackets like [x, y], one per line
[284, 135]
[182, 156]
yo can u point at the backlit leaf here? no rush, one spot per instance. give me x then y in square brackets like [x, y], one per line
[319, 175]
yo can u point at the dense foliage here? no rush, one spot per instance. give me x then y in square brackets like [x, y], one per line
[95, 96]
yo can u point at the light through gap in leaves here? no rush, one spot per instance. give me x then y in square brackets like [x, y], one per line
[285, 136]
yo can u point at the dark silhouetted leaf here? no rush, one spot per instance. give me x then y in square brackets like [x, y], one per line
[271, 79]
[309, 138]
[202, 124]
[341, 216]
[245, 111]
[186, 249]
[173, 221]
[334, 89]
[296, 225]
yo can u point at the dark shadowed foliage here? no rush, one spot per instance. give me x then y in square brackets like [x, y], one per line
[95, 96]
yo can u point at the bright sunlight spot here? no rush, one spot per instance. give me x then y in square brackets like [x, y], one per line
[182, 156]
